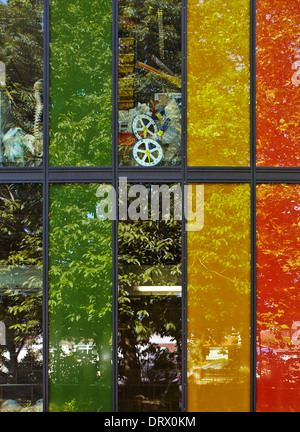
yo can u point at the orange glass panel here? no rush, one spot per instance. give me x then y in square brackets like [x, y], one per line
[278, 298]
[278, 82]
[219, 302]
[218, 116]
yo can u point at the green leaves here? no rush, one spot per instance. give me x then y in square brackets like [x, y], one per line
[81, 83]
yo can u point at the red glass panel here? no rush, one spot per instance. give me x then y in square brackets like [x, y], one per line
[278, 299]
[278, 82]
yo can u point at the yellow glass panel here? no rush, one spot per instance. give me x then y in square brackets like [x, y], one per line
[218, 57]
[219, 302]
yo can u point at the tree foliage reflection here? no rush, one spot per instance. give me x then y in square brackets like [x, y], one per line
[149, 324]
[80, 301]
[21, 293]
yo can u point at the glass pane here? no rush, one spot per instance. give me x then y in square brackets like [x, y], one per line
[149, 304]
[149, 82]
[21, 339]
[219, 302]
[80, 301]
[278, 299]
[277, 83]
[218, 116]
[21, 82]
[80, 83]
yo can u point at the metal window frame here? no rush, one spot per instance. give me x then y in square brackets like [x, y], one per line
[252, 175]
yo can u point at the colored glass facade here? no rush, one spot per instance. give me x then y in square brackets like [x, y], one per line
[149, 206]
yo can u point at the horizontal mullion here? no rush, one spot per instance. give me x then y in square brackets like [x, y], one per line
[277, 175]
[21, 175]
[219, 174]
[79, 174]
[151, 174]
[157, 174]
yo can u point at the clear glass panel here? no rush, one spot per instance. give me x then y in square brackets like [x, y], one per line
[219, 302]
[21, 82]
[218, 72]
[21, 342]
[149, 82]
[278, 299]
[80, 301]
[149, 304]
[277, 83]
[80, 83]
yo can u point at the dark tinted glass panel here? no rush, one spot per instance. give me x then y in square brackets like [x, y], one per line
[277, 83]
[149, 306]
[219, 302]
[278, 298]
[149, 82]
[21, 82]
[80, 301]
[21, 342]
[80, 83]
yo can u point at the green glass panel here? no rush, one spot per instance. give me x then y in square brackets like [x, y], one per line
[80, 301]
[80, 83]
[21, 298]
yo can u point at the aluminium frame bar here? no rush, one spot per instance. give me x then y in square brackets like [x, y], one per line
[253, 205]
[115, 162]
[135, 174]
[46, 91]
[183, 181]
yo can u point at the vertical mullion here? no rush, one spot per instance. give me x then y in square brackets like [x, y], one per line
[45, 204]
[183, 183]
[253, 199]
[115, 185]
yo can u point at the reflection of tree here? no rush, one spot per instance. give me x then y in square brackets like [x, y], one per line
[218, 83]
[278, 256]
[21, 284]
[219, 300]
[277, 98]
[80, 301]
[81, 83]
[149, 254]
[21, 50]
[277, 296]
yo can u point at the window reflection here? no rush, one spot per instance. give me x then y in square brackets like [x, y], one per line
[219, 302]
[80, 301]
[150, 315]
[80, 83]
[149, 82]
[278, 319]
[277, 91]
[21, 342]
[21, 83]
[218, 77]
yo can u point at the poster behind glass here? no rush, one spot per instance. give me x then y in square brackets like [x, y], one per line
[149, 86]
